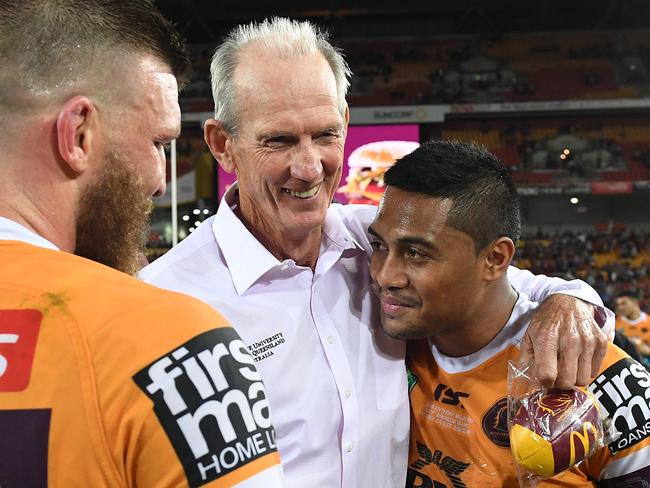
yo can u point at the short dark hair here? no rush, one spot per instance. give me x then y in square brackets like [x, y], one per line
[629, 294]
[47, 44]
[485, 203]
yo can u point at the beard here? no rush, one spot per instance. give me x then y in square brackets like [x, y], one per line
[113, 217]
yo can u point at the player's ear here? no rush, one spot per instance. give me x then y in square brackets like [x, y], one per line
[75, 131]
[217, 138]
[498, 255]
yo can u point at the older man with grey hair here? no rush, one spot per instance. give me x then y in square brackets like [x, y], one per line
[290, 271]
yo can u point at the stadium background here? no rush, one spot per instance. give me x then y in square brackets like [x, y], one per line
[558, 89]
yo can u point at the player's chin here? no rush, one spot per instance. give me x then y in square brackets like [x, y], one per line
[400, 329]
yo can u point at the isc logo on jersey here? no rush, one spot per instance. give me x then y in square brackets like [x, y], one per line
[623, 391]
[212, 404]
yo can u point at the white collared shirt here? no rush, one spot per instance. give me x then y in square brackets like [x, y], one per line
[13, 231]
[335, 382]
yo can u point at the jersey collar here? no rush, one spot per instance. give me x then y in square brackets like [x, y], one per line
[13, 231]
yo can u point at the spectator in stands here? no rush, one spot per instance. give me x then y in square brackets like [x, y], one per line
[610, 262]
[634, 323]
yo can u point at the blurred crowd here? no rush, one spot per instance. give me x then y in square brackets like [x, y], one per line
[612, 263]
[616, 264]
[470, 69]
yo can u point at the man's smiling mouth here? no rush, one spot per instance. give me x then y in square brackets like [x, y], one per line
[303, 194]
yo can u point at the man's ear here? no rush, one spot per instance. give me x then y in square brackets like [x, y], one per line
[76, 127]
[498, 255]
[217, 138]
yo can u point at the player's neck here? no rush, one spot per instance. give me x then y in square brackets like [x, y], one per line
[21, 211]
[303, 249]
[482, 325]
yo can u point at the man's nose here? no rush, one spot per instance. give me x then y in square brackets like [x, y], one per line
[307, 166]
[390, 273]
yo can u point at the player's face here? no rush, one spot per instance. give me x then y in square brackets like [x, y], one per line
[114, 208]
[288, 151]
[425, 273]
[149, 118]
[625, 306]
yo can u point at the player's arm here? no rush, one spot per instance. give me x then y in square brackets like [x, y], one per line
[191, 408]
[567, 335]
[623, 392]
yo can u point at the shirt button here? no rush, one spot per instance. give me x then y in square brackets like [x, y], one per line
[331, 339]
[348, 393]
[349, 446]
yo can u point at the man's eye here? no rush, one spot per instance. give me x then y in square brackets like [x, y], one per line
[413, 253]
[375, 245]
[277, 141]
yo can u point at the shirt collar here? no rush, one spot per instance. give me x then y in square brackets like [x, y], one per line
[336, 231]
[246, 258]
[13, 231]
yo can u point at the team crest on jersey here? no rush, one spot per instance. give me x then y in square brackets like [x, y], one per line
[495, 423]
[623, 392]
[211, 402]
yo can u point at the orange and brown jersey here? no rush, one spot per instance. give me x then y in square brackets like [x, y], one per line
[635, 329]
[109, 382]
[459, 432]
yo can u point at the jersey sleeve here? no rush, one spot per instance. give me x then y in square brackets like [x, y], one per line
[185, 406]
[623, 393]
[540, 287]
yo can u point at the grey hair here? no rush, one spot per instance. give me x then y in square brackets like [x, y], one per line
[279, 35]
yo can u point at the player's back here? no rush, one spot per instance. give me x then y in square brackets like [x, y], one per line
[107, 381]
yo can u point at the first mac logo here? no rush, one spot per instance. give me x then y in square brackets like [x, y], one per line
[211, 402]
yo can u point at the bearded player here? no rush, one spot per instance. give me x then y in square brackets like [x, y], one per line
[443, 238]
[106, 381]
